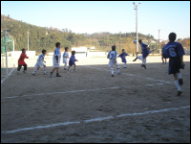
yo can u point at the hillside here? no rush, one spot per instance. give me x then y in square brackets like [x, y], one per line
[45, 38]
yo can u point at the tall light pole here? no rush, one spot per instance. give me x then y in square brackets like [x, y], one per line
[28, 40]
[136, 8]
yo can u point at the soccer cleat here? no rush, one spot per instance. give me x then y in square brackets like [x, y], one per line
[144, 66]
[65, 69]
[24, 71]
[74, 70]
[179, 93]
[46, 73]
[112, 75]
[33, 74]
[18, 73]
[180, 81]
[50, 75]
[58, 75]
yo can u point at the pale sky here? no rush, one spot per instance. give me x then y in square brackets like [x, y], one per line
[105, 16]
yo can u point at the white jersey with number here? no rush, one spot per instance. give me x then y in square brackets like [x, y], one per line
[65, 57]
[56, 53]
[112, 58]
[40, 61]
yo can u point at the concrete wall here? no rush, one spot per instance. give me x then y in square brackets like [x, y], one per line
[187, 52]
[16, 54]
[96, 54]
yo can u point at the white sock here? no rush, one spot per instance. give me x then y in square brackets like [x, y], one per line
[178, 85]
[144, 61]
[118, 69]
[124, 64]
[65, 65]
[44, 70]
[112, 71]
[179, 75]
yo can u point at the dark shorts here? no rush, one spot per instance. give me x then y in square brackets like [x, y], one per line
[163, 56]
[145, 55]
[71, 63]
[174, 65]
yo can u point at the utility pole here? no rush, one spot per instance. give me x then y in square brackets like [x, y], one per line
[136, 8]
[159, 38]
[28, 40]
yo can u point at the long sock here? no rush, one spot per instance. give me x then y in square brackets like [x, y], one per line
[144, 61]
[118, 69]
[178, 85]
[179, 75]
[65, 66]
[112, 71]
[44, 70]
[125, 65]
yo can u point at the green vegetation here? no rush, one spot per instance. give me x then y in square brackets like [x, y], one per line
[45, 38]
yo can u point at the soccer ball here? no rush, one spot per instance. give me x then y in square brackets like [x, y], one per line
[135, 41]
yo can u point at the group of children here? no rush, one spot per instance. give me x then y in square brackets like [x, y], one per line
[172, 50]
[56, 61]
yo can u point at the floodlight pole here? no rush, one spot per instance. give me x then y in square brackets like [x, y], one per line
[136, 8]
[28, 40]
[5, 33]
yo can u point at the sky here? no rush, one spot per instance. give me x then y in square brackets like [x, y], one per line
[105, 16]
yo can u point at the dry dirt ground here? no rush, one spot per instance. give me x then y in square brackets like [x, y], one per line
[91, 106]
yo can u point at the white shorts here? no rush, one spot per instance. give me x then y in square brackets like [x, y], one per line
[113, 63]
[39, 64]
[55, 64]
[140, 57]
[65, 60]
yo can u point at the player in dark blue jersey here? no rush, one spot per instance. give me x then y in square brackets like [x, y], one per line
[175, 52]
[144, 52]
[123, 57]
[72, 61]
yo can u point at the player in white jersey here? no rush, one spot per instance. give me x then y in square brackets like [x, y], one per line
[40, 62]
[56, 60]
[65, 57]
[112, 56]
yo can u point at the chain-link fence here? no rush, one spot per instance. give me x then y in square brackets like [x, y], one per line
[6, 48]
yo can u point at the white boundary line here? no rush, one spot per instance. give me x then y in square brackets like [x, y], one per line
[134, 75]
[94, 120]
[7, 75]
[61, 92]
[74, 91]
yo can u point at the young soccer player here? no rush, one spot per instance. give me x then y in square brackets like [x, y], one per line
[141, 56]
[72, 61]
[164, 61]
[21, 62]
[144, 52]
[123, 55]
[175, 52]
[56, 60]
[65, 57]
[40, 62]
[112, 56]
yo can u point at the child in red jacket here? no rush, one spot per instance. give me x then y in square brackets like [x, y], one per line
[21, 62]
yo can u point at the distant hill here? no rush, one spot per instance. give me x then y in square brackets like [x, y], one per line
[45, 38]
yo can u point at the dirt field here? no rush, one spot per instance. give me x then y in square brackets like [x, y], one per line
[91, 106]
